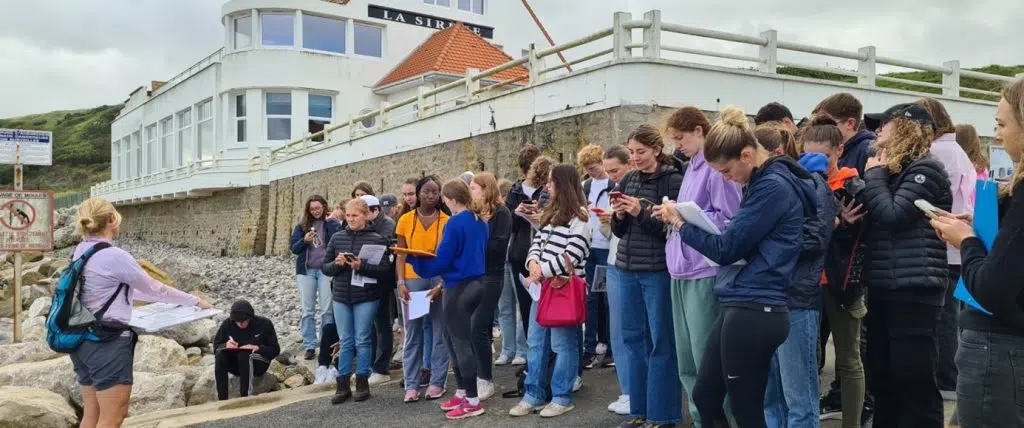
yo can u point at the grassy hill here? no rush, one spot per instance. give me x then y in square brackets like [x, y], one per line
[81, 152]
[921, 76]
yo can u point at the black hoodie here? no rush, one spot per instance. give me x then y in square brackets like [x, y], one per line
[259, 332]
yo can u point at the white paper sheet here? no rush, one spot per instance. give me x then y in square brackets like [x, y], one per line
[419, 304]
[532, 287]
[371, 254]
[599, 284]
[693, 214]
[155, 317]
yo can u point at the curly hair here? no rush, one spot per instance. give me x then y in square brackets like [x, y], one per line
[589, 155]
[539, 171]
[910, 142]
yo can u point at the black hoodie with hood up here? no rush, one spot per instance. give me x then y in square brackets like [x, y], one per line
[259, 332]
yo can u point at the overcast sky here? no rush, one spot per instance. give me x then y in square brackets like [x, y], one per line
[66, 54]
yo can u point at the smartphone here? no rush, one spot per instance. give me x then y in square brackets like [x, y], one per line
[929, 210]
[349, 256]
[615, 195]
[598, 211]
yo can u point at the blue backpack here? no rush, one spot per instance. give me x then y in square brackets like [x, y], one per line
[69, 322]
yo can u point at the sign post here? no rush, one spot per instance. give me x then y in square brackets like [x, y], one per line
[21, 210]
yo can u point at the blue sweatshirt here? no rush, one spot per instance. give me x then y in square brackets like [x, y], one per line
[767, 232]
[461, 253]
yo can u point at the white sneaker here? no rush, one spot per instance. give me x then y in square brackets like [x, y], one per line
[620, 406]
[601, 349]
[578, 384]
[521, 409]
[495, 332]
[484, 389]
[519, 361]
[331, 374]
[502, 360]
[399, 354]
[615, 404]
[553, 409]
[377, 379]
[320, 375]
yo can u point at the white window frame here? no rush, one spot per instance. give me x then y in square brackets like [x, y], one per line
[438, 3]
[152, 149]
[309, 112]
[269, 116]
[167, 142]
[140, 154]
[185, 157]
[383, 39]
[348, 34]
[200, 123]
[126, 157]
[295, 25]
[240, 117]
[234, 33]
[472, 6]
[115, 160]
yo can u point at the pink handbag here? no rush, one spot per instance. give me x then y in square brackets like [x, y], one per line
[565, 306]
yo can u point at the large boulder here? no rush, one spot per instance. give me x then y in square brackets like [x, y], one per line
[155, 354]
[196, 333]
[51, 267]
[205, 388]
[153, 392]
[65, 237]
[29, 294]
[26, 352]
[40, 307]
[25, 407]
[56, 375]
[26, 256]
[34, 328]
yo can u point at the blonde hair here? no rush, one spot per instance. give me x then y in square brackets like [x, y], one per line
[910, 142]
[589, 155]
[492, 199]
[729, 136]
[967, 138]
[774, 135]
[1013, 94]
[358, 204]
[96, 216]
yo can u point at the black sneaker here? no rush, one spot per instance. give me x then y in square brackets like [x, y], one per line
[633, 423]
[607, 361]
[592, 362]
[831, 403]
[310, 354]
[866, 415]
[424, 378]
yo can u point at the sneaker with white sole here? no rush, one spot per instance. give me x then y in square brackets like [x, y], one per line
[331, 374]
[320, 375]
[578, 384]
[502, 360]
[601, 349]
[555, 409]
[495, 332]
[377, 379]
[484, 389]
[519, 361]
[620, 406]
[522, 409]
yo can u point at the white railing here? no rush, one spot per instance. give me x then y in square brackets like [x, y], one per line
[209, 60]
[206, 165]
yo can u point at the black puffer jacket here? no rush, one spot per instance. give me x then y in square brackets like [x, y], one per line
[350, 241]
[905, 259]
[521, 231]
[642, 238]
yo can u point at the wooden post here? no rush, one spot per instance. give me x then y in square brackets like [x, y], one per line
[17, 254]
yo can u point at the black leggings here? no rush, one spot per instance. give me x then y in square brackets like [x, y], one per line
[328, 337]
[482, 321]
[383, 341]
[241, 363]
[461, 305]
[522, 296]
[736, 362]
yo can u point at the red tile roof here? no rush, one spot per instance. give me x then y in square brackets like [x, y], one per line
[452, 51]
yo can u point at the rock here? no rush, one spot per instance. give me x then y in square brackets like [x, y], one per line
[24, 407]
[260, 385]
[30, 293]
[65, 237]
[154, 392]
[193, 355]
[34, 328]
[196, 333]
[26, 256]
[295, 381]
[277, 369]
[155, 354]
[207, 360]
[301, 370]
[31, 276]
[40, 307]
[54, 375]
[204, 390]
[51, 267]
[26, 352]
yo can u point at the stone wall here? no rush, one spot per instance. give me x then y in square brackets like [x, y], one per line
[231, 222]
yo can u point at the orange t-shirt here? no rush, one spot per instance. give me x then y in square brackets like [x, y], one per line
[418, 238]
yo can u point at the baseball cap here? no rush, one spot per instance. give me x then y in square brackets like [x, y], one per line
[912, 111]
[388, 201]
[371, 201]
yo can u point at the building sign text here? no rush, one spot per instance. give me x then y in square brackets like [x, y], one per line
[421, 20]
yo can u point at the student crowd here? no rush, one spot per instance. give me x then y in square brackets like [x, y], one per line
[709, 278]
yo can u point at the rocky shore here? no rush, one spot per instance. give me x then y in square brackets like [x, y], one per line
[173, 368]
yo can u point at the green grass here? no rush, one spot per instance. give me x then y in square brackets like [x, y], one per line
[921, 76]
[81, 151]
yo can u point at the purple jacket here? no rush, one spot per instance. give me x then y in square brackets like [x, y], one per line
[720, 199]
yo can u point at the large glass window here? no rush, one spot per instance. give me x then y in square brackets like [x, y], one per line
[126, 158]
[115, 160]
[167, 142]
[279, 116]
[185, 137]
[243, 32]
[240, 118]
[369, 40]
[204, 123]
[278, 29]
[445, 3]
[323, 34]
[152, 149]
[320, 113]
[140, 159]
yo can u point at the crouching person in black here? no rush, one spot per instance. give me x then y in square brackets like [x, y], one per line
[244, 346]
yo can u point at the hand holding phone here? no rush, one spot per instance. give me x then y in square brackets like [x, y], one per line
[929, 210]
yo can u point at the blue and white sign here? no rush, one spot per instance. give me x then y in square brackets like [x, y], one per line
[1000, 165]
[26, 146]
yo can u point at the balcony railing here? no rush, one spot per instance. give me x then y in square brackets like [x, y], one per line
[237, 165]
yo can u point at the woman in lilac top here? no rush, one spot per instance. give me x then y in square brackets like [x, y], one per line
[694, 306]
[104, 369]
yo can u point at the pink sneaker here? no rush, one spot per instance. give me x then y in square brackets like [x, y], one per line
[466, 410]
[434, 392]
[453, 403]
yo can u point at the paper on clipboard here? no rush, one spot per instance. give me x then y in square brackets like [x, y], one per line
[532, 287]
[155, 317]
[371, 254]
[693, 214]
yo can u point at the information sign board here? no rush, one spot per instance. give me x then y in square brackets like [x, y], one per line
[26, 220]
[28, 146]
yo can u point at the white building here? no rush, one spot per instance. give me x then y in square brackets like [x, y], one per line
[289, 68]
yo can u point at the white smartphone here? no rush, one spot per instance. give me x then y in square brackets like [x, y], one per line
[929, 210]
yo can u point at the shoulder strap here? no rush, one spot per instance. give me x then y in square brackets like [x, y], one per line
[92, 250]
[103, 310]
[586, 186]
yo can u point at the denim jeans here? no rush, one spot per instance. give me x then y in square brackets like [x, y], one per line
[417, 344]
[513, 338]
[791, 399]
[597, 306]
[654, 391]
[564, 342]
[990, 382]
[615, 329]
[313, 285]
[355, 326]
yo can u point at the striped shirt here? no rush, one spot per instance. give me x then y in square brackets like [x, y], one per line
[550, 242]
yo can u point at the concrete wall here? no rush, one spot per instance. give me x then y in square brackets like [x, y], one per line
[231, 222]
